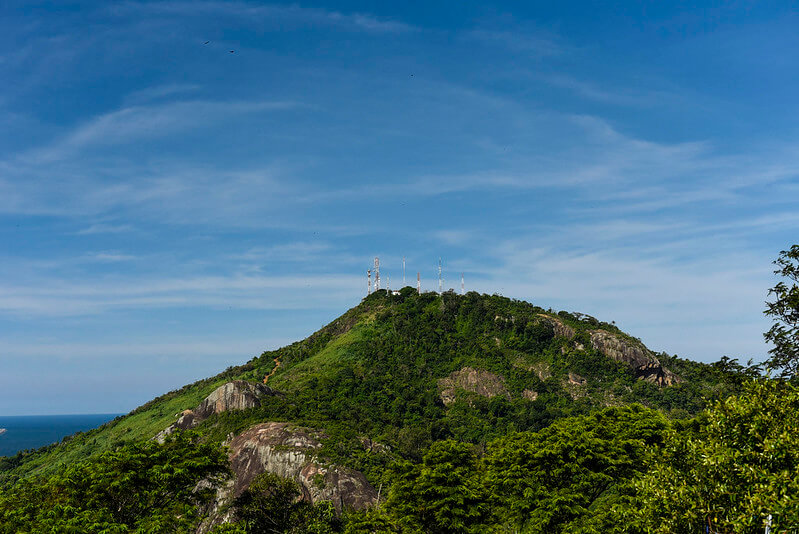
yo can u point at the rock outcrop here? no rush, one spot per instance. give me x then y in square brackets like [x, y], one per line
[529, 394]
[640, 359]
[477, 381]
[576, 379]
[288, 451]
[645, 365]
[236, 395]
[559, 327]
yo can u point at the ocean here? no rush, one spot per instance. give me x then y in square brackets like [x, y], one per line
[34, 431]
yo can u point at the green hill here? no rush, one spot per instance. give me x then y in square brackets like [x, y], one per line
[407, 371]
[377, 370]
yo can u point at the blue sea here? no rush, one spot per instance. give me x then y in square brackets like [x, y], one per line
[34, 431]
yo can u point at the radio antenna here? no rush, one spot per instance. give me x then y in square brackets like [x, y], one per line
[440, 281]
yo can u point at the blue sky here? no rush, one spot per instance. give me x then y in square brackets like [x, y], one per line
[169, 208]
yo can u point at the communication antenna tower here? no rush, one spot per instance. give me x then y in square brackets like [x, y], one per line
[369, 281]
[462, 286]
[418, 282]
[403, 271]
[377, 273]
[440, 281]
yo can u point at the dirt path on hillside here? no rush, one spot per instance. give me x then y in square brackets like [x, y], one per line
[277, 366]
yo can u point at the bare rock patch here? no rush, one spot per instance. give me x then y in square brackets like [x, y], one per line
[477, 381]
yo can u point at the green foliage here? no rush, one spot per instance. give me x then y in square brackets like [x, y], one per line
[442, 494]
[370, 521]
[569, 477]
[784, 334]
[553, 480]
[146, 487]
[738, 466]
[557, 463]
[272, 505]
[268, 505]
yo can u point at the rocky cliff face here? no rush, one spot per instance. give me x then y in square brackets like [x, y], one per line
[638, 357]
[288, 451]
[645, 365]
[561, 329]
[475, 380]
[236, 395]
[280, 448]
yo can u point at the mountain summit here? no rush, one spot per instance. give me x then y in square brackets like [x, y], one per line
[398, 372]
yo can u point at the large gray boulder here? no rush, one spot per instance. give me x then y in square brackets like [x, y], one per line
[634, 354]
[480, 381]
[235, 395]
[288, 451]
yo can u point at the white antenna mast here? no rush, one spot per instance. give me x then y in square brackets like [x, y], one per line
[440, 281]
[369, 281]
[462, 286]
[418, 282]
[403, 271]
[377, 273]
[388, 284]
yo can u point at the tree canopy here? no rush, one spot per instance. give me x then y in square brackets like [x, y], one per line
[784, 309]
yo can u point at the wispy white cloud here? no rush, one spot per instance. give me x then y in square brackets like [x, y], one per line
[302, 251]
[181, 349]
[110, 257]
[259, 13]
[104, 228]
[162, 91]
[536, 45]
[616, 95]
[149, 122]
[75, 298]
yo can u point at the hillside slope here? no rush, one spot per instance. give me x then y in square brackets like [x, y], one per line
[410, 369]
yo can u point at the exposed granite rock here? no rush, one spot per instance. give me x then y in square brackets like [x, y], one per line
[645, 365]
[639, 358]
[576, 379]
[288, 451]
[371, 445]
[477, 381]
[529, 394]
[561, 329]
[236, 395]
[542, 370]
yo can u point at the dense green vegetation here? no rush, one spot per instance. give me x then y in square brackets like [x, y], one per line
[143, 487]
[568, 440]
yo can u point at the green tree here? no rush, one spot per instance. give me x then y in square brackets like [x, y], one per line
[739, 467]
[784, 334]
[270, 505]
[570, 475]
[143, 487]
[370, 521]
[443, 494]
[274, 505]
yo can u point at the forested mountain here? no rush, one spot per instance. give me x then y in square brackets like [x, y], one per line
[409, 413]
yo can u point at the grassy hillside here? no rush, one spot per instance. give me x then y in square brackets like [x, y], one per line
[375, 371]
